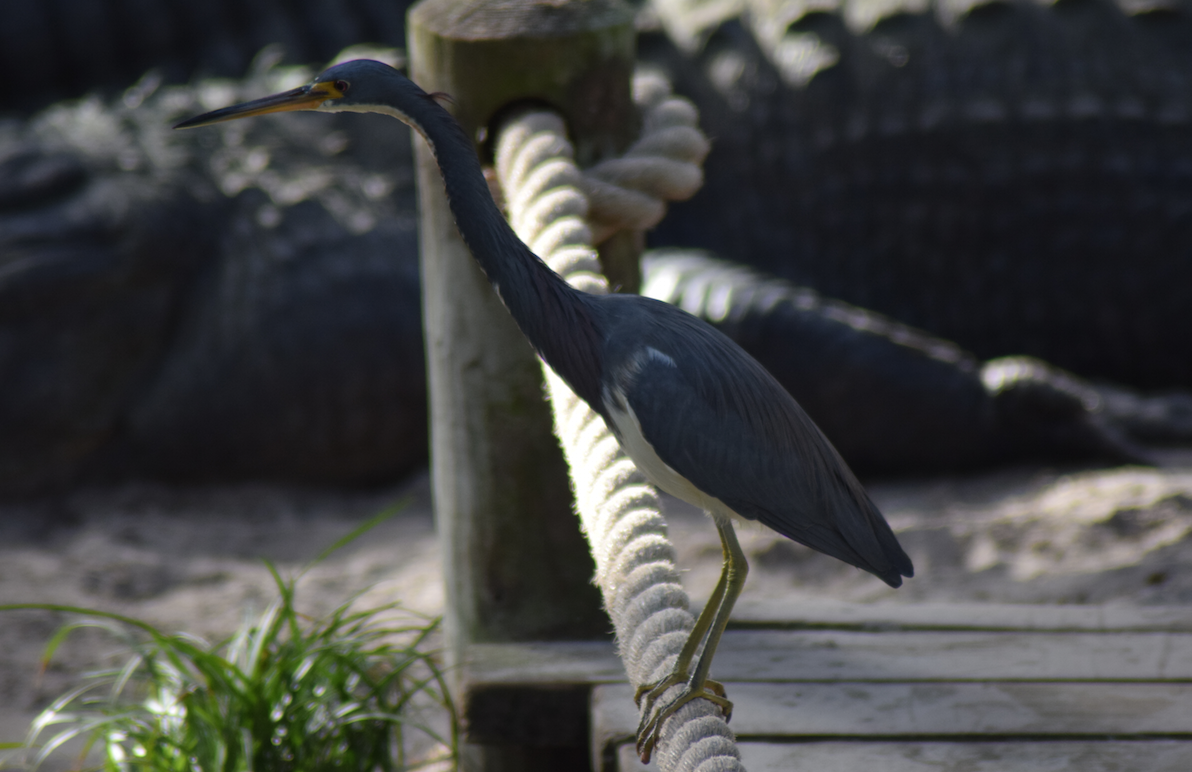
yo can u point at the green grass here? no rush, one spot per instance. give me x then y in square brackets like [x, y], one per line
[351, 691]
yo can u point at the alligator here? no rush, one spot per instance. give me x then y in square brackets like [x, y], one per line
[1010, 175]
[80, 46]
[243, 303]
[232, 304]
[874, 385]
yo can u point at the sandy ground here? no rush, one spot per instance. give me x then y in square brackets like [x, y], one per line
[190, 559]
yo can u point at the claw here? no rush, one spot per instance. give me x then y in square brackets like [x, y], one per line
[707, 630]
[651, 724]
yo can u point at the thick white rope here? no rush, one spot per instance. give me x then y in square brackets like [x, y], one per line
[619, 511]
[664, 164]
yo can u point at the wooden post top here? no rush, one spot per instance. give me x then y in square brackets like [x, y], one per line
[575, 56]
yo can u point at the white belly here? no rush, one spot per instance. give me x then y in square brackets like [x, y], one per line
[656, 470]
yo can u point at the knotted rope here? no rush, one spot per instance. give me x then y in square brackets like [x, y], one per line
[550, 205]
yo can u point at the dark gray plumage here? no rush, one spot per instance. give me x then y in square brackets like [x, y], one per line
[720, 419]
[700, 417]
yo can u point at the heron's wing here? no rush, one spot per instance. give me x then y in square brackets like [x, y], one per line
[718, 418]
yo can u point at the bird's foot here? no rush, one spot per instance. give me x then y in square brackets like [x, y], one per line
[654, 715]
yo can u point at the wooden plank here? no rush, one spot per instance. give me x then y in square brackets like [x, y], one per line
[951, 656]
[959, 616]
[928, 710]
[545, 662]
[1106, 756]
[789, 656]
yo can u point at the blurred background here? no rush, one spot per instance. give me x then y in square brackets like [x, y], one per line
[959, 232]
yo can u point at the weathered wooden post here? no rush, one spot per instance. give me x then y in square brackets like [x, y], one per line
[517, 567]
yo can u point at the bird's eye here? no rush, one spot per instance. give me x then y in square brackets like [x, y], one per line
[342, 86]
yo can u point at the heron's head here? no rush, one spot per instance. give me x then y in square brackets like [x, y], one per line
[362, 85]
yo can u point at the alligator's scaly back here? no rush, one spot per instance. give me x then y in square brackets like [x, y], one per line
[1011, 176]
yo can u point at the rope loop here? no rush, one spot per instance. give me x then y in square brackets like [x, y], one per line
[664, 164]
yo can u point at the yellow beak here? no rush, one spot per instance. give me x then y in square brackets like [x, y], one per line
[301, 98]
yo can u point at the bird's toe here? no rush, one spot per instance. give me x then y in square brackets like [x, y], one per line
[655, 713]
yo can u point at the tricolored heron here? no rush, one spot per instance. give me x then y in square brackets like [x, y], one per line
[700, 417]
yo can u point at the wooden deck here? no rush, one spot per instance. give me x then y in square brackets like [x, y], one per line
[913, 688]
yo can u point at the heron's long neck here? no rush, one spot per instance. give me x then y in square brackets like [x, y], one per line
[550, 313]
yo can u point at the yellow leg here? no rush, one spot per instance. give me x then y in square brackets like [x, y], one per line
[708, 629]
